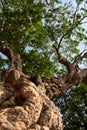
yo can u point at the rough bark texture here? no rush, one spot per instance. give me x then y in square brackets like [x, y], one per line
[25, 102]
[25, 106]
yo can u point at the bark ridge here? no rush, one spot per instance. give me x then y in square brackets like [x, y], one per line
[25, 106]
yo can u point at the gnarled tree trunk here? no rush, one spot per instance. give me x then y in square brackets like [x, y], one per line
[25, 102]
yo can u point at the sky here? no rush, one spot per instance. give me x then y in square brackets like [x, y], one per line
[66, 1]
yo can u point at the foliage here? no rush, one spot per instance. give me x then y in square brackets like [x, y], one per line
[73, 105]
[36, 25]
[22, 29]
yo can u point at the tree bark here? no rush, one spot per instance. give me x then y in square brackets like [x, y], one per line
[25, 102]
[56, 86]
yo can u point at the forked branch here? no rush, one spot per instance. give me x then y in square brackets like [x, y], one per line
[63, 61]
[80, 57]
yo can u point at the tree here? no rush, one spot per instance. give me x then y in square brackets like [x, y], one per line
[73, 107]
[29, 28]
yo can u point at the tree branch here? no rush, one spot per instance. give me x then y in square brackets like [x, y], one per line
[57, 86]
[16, 62]
[77, 7]
[80, 57]
[71, 29]
[63, 61]
[47, 2]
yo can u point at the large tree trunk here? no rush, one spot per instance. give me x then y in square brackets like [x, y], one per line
[25, 102]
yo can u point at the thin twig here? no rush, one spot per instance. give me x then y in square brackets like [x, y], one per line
[63, 61]
[76, 12]
[47, 2]
[79, 57]
[70, 30]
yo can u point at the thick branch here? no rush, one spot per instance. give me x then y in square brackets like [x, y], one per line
[6, 51]
[16, 62]
[57, 86]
